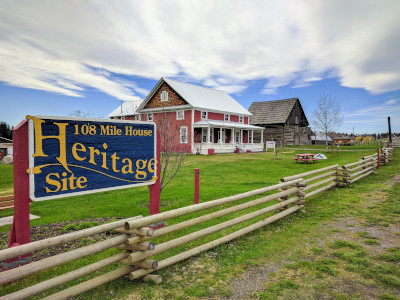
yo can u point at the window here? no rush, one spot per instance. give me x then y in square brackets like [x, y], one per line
[164, 96]
[226, 117]
[137, 117]
[149, 117]
[204, 115]
[180, 115]
[183, 136]
[240, 119]
[122, 118]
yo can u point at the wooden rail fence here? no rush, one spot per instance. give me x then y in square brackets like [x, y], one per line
[134, 234]
[6, 202]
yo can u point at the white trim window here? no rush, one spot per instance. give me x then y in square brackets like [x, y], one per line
[180, 114]
[164, 96]
[241, 119]
[137, 117]
[123, 118]
[149, 117]
[183, 135]
[226, 117]
[204, 115]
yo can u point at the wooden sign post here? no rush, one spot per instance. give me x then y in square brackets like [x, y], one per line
[20, 230]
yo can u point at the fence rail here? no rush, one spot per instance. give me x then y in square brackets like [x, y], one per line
[134, 234]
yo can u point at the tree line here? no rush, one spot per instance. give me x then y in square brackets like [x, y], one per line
[6, 130]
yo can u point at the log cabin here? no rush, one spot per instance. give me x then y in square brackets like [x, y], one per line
[284, 121]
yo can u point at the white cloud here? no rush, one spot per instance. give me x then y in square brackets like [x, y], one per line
[376, 114]
[69, 46]
[391, 101]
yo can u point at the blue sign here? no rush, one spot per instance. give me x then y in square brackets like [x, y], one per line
[72, 156]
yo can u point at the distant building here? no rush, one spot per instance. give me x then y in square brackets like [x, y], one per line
[342, 140]
[6, 147]
[284, 121]
[126, 111]
[319, 138]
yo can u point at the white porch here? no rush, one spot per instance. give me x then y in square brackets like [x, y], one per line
[226, 137]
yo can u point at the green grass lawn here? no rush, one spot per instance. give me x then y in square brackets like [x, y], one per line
[220, 176]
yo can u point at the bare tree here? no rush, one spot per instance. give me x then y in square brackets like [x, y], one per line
[81, 114]
[173, 140]
[197, 144]
[277, 149]
[327, 115]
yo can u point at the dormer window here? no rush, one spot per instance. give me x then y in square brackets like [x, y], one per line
[240, 119]
[204, 115]
[164, 96]
[226, 117]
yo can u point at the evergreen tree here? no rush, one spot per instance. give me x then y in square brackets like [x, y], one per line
[5, 130]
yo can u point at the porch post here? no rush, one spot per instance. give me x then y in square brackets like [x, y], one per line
[241, 136]
[220, 136]
[252, 132]
[208, 134]
[262, 137]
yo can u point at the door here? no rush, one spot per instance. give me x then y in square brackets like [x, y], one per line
[297, 139]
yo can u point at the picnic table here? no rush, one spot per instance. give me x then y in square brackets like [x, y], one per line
[305, 157]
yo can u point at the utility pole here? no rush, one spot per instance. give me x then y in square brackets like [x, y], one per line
[390, 131]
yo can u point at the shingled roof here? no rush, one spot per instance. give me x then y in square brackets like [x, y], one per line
[271, 112]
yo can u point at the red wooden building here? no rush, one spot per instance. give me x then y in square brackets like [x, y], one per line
[205, 120]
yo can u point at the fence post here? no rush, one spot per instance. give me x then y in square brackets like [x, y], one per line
[196, 185]
[301, 195]
[378, 161]
[155, 189]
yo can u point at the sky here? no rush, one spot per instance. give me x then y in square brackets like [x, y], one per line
[58, 57]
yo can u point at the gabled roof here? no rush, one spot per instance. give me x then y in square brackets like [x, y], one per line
[128, 109]
[271, 112]
[201, 97]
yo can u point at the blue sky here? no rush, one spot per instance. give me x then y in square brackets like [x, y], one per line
[57, 57]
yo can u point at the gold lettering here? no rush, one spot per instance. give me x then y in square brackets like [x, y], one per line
[64, 181]
[75, 149]
[151, 165]
[52, 182]
[140, 165]
[80, 181]
[128, 167]
[92, 153]
[128, 130]
[62, 158]
[104, 130]
[104, 165]
[114, 158]
[71, 182]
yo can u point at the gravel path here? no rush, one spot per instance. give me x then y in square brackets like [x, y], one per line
[251, 281]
